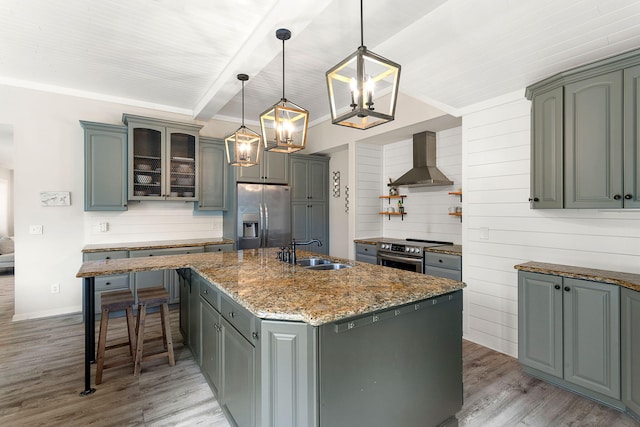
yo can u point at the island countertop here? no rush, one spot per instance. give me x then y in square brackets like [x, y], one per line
[271, 289]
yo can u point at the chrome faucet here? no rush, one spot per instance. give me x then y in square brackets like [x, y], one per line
[293, 257]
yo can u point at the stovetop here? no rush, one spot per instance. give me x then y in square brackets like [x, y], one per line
[410, 247]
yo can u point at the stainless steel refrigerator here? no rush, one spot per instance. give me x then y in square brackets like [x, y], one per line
[264, 215]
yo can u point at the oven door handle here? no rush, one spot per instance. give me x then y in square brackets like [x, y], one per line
[399, 258]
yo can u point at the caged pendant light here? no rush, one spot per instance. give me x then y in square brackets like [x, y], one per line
[284, 125]
[358, 88]
[243, 143]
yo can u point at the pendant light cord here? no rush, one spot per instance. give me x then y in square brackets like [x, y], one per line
[361, 25]
[243, 103]
[283, 98]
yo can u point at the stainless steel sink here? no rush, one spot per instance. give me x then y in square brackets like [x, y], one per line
[329, 266]
[310, 262]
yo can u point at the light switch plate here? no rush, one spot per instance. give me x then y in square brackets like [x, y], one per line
[35, 229]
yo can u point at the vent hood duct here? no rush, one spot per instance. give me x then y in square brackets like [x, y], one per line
[424, 172]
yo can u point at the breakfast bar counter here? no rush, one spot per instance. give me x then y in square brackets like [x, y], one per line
[343, 328]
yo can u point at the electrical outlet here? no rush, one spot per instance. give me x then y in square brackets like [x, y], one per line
[35, 229]
[55, 288]
[104, 227]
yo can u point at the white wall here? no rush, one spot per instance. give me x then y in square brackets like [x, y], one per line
[339, 228]
[365, 205]
[49, 155]
[427, 207]
[496, 156]
[6, 202]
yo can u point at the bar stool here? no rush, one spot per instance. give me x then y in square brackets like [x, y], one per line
[112, 302]
[152, 297]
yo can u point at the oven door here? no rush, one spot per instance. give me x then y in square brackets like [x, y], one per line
[401, 262]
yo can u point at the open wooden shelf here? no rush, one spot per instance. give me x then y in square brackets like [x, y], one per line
[401, 214]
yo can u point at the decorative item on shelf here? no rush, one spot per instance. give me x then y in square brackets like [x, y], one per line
[393, 190]
[359, 80]
[336, 184]
[243, 143]
[284, 126]
[400, 206]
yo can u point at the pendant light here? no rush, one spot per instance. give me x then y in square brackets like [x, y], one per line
[284, 126]
[243, 143]
[358, 88]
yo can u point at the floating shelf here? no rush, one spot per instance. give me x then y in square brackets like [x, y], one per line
[401, 214]
[400, 196]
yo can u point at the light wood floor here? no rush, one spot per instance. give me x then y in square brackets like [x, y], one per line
[41, 374]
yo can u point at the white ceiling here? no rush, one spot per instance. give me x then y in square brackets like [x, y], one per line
[183, 56]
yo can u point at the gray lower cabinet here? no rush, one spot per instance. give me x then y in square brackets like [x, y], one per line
[443, 265]
[213, 333]
[213, 171]
[105, 167]
[108, 283]
[366, 253]
[630, 315]
[238, 377]
[166, 278]
[547, 150]
[288, 364]
[569, 333]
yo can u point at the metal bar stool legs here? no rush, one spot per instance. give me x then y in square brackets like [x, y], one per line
[111, 302]
[152, 297]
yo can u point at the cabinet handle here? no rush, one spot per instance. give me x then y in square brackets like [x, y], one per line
[535, 199]
[108, 257]
[254, 335]
[628, 196]
[440, 261]
[206, 292]
[566, 288]
[232, 314]
[107, 284]
[557, 286]
[617, 197]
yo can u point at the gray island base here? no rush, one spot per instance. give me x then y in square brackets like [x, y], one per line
[283, 346]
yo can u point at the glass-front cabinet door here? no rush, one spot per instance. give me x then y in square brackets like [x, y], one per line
[183, 180]
[162, 159]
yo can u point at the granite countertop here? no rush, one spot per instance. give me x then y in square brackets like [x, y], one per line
[627, 280]
[448, 249]
[158, 244]
[271, 289]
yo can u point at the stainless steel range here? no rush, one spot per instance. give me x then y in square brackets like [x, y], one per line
[405, 254]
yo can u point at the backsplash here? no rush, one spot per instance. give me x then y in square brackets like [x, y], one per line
[152, 220]
[427, 207]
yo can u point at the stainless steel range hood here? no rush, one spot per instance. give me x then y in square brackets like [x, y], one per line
[424, 172]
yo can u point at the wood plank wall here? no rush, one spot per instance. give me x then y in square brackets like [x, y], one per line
[496, 164]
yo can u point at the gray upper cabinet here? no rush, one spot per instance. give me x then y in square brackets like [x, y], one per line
[585, 131]
[630, 315]
[632, 137]
[212, 170]
[546, 150]
[163, 159]
[105, 167]
[570, 329]
[593, 142]
[273, 169]
[309, 204]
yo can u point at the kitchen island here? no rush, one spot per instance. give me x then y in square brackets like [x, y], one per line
[284, 345]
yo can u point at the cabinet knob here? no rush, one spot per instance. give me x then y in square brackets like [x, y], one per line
[232, 314]
[617, 197]
[107, 284]
[108, 257]
[628, 196]
[535, 199]
[557, 286]
[206, 292]
[254, 335]
[566, 288]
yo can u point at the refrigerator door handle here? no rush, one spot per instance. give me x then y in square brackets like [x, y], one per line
[261, 225]
[266, 226]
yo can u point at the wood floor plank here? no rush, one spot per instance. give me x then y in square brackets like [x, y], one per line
[41, 375]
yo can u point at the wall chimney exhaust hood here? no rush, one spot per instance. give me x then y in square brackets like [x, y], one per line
[424, 172]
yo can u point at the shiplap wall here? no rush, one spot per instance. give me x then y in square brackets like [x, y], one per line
[152, 220]
[427, 207]
[365, 202]
[500, 230]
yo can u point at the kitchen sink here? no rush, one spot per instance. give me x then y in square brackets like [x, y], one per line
[310, 262]
[329, 266]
